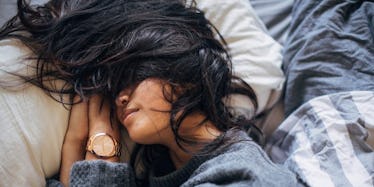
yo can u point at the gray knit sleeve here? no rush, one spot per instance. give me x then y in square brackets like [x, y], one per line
[101, 173]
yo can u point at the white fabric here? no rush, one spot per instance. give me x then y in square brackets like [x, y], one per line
[32, 125]
[256, 56]
[338, 133]
[367, 113]
[327, 141]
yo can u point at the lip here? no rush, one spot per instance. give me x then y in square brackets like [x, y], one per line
[128, 113]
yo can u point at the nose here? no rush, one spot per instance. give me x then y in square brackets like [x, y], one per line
[122, 99]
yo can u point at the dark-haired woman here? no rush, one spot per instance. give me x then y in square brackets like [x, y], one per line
[155, 68]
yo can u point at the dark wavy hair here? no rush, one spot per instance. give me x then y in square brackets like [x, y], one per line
[103, 46]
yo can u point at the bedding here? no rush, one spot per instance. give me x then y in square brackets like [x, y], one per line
[34, 132]
[7, 9]
[256, 56]
[276, 15]
[330, 49]
[329, 140]
[32, 124]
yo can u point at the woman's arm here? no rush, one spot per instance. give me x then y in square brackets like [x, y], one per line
[87, 119]
[74, 146]
[99, 122]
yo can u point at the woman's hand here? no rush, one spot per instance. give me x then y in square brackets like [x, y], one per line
[86, 119]
[99, 121]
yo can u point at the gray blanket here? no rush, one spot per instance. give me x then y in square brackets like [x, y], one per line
[330, 49]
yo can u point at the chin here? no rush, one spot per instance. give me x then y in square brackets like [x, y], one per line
[140, 140]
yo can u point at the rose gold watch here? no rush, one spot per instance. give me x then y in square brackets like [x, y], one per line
[103, 145]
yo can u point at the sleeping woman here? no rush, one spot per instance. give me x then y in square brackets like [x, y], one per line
[154, 68]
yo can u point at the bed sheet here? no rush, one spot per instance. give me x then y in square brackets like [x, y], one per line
[329, 49]
[276, 15]
[329, 141]
[327, 136]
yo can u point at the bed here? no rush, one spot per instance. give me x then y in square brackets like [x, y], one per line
[311, 63]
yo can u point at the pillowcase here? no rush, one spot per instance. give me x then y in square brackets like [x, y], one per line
[32, 125]
[256, 56]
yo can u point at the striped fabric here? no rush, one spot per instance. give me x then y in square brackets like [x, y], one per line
[329, 141]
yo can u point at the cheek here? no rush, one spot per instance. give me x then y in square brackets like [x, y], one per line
[160, 120]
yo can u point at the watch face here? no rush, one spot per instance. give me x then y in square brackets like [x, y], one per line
[103, 146]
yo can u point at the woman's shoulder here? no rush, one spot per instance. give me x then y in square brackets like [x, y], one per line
[242, 162]
[243, 149]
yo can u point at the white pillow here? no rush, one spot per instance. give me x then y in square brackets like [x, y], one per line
[255, 54]
[32, 125]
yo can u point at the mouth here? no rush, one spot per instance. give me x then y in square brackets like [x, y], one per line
[127, 113]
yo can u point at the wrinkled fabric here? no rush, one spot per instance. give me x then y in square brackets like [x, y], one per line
[329, 141]
[330, 49]
[276, 15]
[256, 56]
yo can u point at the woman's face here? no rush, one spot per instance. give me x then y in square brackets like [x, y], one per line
[144, 111]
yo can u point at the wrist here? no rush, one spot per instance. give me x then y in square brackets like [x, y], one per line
[103, 146]
[92, 156]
